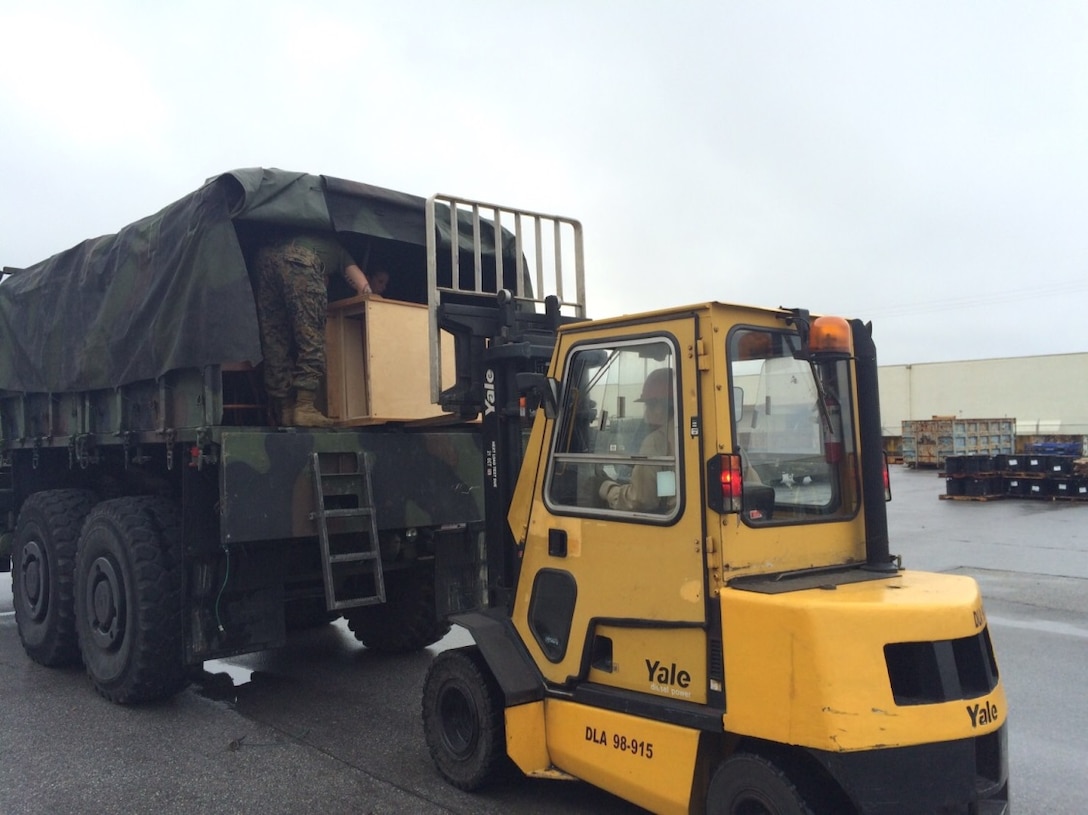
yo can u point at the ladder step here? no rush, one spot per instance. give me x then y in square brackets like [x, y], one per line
[356, 602]
[353, 557]
[343, 488]
[357, 512]
[339, 479]
[329, 479]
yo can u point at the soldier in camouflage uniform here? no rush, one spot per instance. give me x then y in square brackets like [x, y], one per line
[292, 299]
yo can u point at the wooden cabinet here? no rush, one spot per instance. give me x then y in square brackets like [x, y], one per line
[378, 362]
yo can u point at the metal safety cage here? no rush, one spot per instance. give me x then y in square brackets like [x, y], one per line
[475, 250]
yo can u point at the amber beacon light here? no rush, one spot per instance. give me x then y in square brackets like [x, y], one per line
[830, 336]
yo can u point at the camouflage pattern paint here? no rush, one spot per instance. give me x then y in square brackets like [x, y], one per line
[420, 478]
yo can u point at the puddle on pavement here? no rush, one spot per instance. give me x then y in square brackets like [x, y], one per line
[222, 680]
[237, 674]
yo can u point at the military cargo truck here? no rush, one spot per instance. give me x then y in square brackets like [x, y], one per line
[152, 515]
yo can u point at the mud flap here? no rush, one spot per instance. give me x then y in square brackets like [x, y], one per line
[460, 570]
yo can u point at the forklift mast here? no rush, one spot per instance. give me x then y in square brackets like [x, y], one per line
[498, 283]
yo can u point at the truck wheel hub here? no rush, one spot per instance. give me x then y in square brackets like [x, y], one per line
[105, 604]
[33, 574]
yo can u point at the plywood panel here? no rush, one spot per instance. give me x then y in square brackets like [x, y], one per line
[378, 362]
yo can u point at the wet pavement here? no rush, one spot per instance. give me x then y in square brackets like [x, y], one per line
[1025, 535]
[325, 725]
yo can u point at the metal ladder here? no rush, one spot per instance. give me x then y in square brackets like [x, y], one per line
[346, 584]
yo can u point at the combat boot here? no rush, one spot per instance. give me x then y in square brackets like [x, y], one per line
[306, 413]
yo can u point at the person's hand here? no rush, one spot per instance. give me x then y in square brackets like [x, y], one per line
[606, 488]
[365, 289]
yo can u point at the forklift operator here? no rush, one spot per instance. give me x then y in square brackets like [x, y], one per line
[640, 493]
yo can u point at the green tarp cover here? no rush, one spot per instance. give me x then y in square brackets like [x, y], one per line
[172, 290]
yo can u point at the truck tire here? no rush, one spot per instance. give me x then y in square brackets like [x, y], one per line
[42, 562]
[406, 621]
[747, 784]
[128, 599]
[463, 719]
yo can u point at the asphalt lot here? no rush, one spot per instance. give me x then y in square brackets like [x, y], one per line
[325, 725]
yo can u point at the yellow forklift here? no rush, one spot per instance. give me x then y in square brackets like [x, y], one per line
[687, 595]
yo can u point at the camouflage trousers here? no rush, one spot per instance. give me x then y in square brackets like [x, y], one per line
[291, 309]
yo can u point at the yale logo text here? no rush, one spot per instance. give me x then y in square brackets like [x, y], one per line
[667, 674]
[982, 714]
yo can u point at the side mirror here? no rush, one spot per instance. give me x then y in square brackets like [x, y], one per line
[543, 387]
[738, 403]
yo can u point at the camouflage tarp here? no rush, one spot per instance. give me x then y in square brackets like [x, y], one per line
[172, 290]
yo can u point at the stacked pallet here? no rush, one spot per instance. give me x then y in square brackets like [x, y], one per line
[1028, 475]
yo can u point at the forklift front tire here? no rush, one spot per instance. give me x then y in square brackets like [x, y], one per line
[463, 718]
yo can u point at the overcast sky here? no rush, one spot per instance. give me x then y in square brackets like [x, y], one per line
[920, 164]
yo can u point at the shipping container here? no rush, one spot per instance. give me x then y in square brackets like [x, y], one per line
[929, 442]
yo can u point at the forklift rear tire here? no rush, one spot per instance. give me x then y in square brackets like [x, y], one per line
[42, 561]
[128, 599]
[463, 719]
[747, 784]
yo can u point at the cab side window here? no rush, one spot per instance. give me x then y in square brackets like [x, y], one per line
[615, 447]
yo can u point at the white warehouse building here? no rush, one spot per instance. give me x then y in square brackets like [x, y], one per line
[1046, 395]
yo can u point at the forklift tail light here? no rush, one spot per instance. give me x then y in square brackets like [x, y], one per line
[724, 483]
